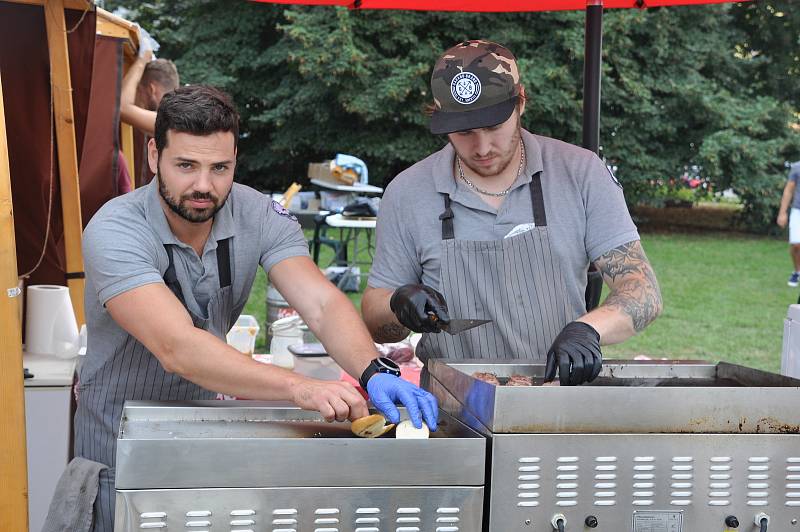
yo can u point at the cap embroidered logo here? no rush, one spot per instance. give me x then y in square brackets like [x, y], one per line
[465, 87]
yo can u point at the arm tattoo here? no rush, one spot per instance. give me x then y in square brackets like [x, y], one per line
[634, 288]
[390, 332]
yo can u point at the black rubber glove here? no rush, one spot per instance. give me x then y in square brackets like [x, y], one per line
[576, 354]
[413, 304]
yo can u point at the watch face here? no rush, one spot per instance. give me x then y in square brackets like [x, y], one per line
[388, 363]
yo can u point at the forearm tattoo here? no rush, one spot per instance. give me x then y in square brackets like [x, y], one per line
[390, 332]
[634, 288]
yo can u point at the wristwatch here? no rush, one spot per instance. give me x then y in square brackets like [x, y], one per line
[379, 365]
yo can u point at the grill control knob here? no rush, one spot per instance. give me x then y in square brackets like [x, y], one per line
[731, 521]
[591, 521]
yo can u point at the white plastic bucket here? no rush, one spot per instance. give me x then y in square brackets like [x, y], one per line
[277, 308]
[285, 332]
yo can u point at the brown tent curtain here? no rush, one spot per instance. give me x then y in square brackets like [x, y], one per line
[96, 70]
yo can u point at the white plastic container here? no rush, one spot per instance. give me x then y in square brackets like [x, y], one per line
[312, 361]
[242, 335]
[285, 332]
[790, 355]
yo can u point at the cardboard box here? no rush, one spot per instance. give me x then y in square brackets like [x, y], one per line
[327, 171]
[321, 171]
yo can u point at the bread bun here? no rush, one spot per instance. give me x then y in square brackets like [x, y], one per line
[370, 426]
[407, 431]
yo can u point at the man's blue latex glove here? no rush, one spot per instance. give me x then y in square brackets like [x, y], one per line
[386, 390]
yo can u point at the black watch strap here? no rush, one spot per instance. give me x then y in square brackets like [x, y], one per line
[379, 365]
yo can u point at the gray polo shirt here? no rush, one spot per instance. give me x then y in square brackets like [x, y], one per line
[794, 175]
[123, 248]
[586, 215]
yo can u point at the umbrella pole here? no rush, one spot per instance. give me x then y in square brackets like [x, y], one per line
[591, 74]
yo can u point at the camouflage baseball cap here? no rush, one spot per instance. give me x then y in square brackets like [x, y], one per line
[475, 84]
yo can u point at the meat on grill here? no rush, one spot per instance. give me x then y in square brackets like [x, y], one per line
[490, 378]
[514, 380]
[520, 380]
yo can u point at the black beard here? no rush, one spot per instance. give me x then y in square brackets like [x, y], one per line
[184, 212]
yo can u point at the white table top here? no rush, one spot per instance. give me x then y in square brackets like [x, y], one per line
[337, 220]
[48, 370]
[356, 187]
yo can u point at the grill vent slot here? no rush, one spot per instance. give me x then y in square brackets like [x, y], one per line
[719, 481]
[567, 476]
[326, 520]
[367, 519]
[447, 519]
[528, 477]
[757, 485]
[682, 480]
[644, 469]
[408, 520]
[152, 520]
[284, 520]
[605, 481]
[793, 481]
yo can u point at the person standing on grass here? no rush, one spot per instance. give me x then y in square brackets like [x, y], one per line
[791, 196]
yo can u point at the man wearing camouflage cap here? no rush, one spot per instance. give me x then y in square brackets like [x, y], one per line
[502, 224]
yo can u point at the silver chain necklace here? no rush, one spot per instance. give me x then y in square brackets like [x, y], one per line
[479, 190]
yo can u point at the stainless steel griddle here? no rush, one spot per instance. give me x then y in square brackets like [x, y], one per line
[243, 465]
[649, 446]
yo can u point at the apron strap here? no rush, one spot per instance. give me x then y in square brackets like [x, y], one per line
[537, 200]
[224, 262]
[223, 269]
[171, 278]
[447, 220]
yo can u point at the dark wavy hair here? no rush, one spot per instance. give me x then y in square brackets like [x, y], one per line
[198, 110]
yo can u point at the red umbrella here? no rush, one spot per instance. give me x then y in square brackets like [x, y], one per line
[492, 6]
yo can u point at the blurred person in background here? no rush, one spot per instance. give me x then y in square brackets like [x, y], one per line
[791, 217]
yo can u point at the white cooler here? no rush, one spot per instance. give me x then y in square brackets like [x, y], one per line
[790, 356]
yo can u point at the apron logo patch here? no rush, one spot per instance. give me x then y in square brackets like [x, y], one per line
[280, 209]
[465, 87]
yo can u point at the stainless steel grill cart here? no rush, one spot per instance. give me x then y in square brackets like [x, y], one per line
[648, 447]
[250, 466]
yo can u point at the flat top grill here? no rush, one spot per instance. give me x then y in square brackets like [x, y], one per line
[262, 444]
[627, 397]
[199, 422]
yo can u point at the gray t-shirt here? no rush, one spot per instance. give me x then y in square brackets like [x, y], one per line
[123, 249]
[586, 215]
[794, 175]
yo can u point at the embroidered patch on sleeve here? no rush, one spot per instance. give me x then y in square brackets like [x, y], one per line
[280, 209]
[613, 177]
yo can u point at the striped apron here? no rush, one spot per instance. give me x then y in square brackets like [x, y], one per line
[515, 281]
[133, 373]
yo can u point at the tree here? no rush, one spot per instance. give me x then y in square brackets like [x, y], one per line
[314, 81]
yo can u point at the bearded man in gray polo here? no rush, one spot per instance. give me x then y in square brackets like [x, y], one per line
[502, 224]
[169, 268]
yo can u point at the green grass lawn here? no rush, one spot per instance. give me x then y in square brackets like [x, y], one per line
[725, 297]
